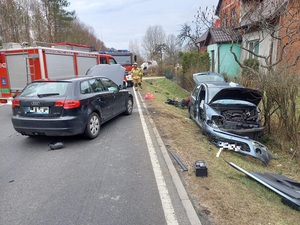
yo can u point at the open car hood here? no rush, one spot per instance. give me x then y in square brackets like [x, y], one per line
[238, 93]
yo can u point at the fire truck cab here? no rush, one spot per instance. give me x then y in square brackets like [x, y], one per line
[126, 59]
[20, 64]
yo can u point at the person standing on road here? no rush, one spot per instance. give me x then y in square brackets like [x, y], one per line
[136, 74]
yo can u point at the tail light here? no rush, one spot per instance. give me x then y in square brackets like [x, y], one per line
[15, 103]
[3, 101]
[67, 104]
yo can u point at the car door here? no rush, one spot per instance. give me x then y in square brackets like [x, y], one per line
[194, 102]
[201, 105]
[100, 98]
[119, 97]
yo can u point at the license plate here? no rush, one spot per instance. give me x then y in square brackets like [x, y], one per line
[37, 110]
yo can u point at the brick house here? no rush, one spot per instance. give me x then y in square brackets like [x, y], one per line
[289, 53]
[270, 29]
[229, 12]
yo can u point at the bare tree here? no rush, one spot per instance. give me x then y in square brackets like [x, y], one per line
[189, 35]
[172, 50]
[38, 23]
[80, 33]
[14, 21]
[43, 21]
[57, 18]
[134, 47]
[155, 36]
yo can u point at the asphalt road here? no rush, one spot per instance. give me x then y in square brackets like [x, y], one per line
[122, 177]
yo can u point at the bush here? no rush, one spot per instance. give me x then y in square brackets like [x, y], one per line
[251, 68]
[192, 62]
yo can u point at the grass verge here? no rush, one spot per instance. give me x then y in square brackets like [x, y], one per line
[226, 196]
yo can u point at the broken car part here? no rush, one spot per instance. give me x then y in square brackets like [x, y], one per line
[56, 145]
[200, 168]
[184, 168]
[287, 188]
[243, 144]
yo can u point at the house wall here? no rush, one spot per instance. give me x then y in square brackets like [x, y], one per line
[202, 48]
[290, 20]
[265, 43]
[224, 59]
[226, 13]
[291, 31]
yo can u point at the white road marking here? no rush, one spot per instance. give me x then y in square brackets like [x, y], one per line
[160, 181]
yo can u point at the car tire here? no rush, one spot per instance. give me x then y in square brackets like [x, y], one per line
[129, 106]
[92, 126]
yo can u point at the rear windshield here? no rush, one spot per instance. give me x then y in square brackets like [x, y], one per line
[199, 78]
[44, 89]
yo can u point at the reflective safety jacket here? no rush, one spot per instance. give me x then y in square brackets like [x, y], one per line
[136, 73]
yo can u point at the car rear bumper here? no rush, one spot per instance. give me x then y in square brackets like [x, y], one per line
[62, 126]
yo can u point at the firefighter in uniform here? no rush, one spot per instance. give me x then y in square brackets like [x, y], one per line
[137, 74]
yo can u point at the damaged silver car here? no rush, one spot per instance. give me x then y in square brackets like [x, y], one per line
[228, 113]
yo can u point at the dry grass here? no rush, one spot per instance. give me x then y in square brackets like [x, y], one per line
[226, 196]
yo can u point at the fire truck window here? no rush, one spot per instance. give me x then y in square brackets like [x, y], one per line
[112, 61]
[103, 60]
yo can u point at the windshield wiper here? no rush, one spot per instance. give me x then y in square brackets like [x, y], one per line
[46, 95]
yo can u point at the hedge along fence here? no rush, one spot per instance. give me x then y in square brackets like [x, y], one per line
[192, 62]
[280, 104]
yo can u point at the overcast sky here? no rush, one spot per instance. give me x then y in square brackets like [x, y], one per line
[117, 22]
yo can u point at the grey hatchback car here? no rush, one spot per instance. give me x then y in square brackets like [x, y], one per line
[228, 114]
[66, 107]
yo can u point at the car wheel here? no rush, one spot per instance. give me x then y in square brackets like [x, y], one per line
[129, 106]
[93, 126]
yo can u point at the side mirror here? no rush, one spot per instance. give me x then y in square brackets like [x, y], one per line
[120, 87]
[135, 58]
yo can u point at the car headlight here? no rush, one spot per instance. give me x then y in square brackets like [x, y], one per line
[257, 144]
[212, 123]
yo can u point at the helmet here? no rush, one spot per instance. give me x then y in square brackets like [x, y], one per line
[135, 63]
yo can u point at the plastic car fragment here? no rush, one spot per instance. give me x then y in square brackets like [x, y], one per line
[287, 188]
[243, 145]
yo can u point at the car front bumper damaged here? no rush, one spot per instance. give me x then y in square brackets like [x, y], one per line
[240, 144]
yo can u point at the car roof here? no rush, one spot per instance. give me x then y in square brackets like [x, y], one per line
[69, 78]
[220, 85]
[208, 76]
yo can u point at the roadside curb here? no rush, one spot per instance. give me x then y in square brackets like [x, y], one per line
[190, 210]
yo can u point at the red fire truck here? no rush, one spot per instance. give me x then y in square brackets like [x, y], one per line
[20, 64]
[126, 59]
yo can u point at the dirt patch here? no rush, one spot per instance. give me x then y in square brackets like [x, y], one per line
[226, 196]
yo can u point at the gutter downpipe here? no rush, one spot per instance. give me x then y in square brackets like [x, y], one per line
[219, 46]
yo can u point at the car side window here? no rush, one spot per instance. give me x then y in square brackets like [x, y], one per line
[110, 85]
[96, 85]
[202, 94]
[195, 92]
[85, 87]
[202, 97]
